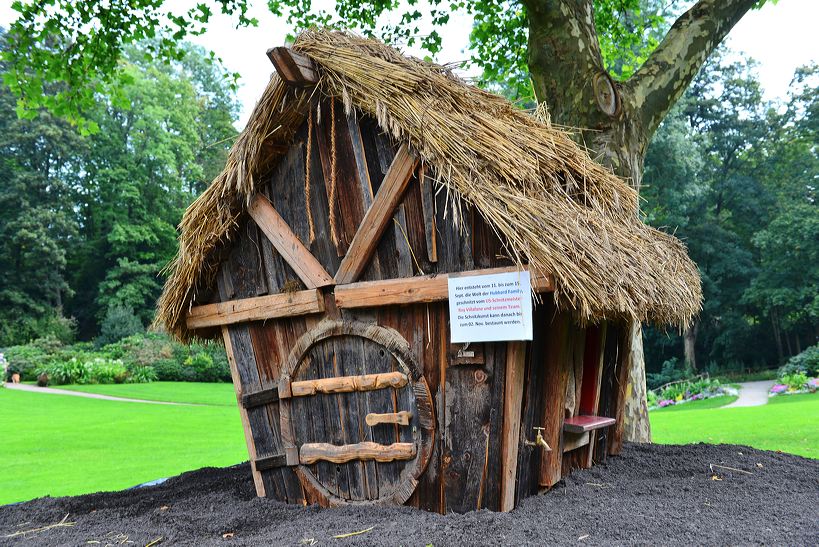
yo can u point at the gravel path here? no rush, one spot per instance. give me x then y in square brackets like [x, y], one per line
[752, 394]
[50, 390]
[651, 495]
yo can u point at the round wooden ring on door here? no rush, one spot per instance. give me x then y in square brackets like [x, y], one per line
[359, 412]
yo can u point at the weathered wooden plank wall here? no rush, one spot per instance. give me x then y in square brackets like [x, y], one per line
[464, 471]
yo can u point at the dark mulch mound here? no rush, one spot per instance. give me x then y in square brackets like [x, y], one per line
[651, 494]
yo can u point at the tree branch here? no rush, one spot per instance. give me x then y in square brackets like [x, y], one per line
[563, 55]
[663, 78]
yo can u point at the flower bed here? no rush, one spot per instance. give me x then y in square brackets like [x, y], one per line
[686, 391]
[799, 374]
[794, 383]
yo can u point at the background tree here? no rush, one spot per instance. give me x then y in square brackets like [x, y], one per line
[736, 180]
[87, 222]
[787, 288]
[560, 42]
[37, 225]
[156, 149]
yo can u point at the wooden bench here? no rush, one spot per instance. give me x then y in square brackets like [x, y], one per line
[583, 424]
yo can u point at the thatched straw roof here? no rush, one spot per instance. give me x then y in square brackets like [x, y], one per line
[558, 210]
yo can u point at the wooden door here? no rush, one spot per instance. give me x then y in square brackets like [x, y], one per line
[356, 414]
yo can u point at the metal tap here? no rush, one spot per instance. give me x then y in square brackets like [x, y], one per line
[539, 440]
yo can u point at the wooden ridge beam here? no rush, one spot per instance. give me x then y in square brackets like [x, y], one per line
[416, 290]
[293, 68]
[256, 309]
[378, 216]
[310, 453]
[288, 244]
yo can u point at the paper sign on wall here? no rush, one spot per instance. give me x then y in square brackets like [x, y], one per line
[490, 308]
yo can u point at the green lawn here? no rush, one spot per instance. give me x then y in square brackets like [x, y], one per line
[60, 445]
[787, 423]
[178, 392]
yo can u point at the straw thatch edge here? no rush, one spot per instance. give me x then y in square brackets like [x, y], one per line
[554, 207]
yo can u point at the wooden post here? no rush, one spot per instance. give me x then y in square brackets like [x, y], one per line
[512, 397]
[592, 375]
[237, 386]
[615, 441]
[554, 395]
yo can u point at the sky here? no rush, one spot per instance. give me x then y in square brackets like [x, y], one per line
[779, 37]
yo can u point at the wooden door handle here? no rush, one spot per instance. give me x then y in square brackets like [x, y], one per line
[401, 418]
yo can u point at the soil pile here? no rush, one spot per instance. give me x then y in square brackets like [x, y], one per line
[651, 494]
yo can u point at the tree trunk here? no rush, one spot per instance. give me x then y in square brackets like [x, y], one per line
[580, 93]
[777, 336]
[618, 119]
[689, 345]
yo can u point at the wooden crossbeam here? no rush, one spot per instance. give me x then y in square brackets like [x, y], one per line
[415, 290]
[256, 309]
[345, 384]
[260, 398]
[310, 453]
[271, 462]
[294, 68]
[378, 216]
[287, 243]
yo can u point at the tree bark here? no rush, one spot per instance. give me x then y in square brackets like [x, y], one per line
[777, 336]
[689, 345]
[617, 120]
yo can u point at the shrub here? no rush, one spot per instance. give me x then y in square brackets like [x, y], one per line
[167, 359]
[220, 362]
[142, 375]
[672, 371]
[107, 371]
[203, 366]
[119, 322]
[795, 381]
[69, 372]
[25, 360]
[704, 386]
[17, 331]
[652, 399]
[171, 370]
[806, 362]
[141, 349]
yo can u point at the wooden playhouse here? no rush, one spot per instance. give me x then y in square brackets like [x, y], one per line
[321, 257]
